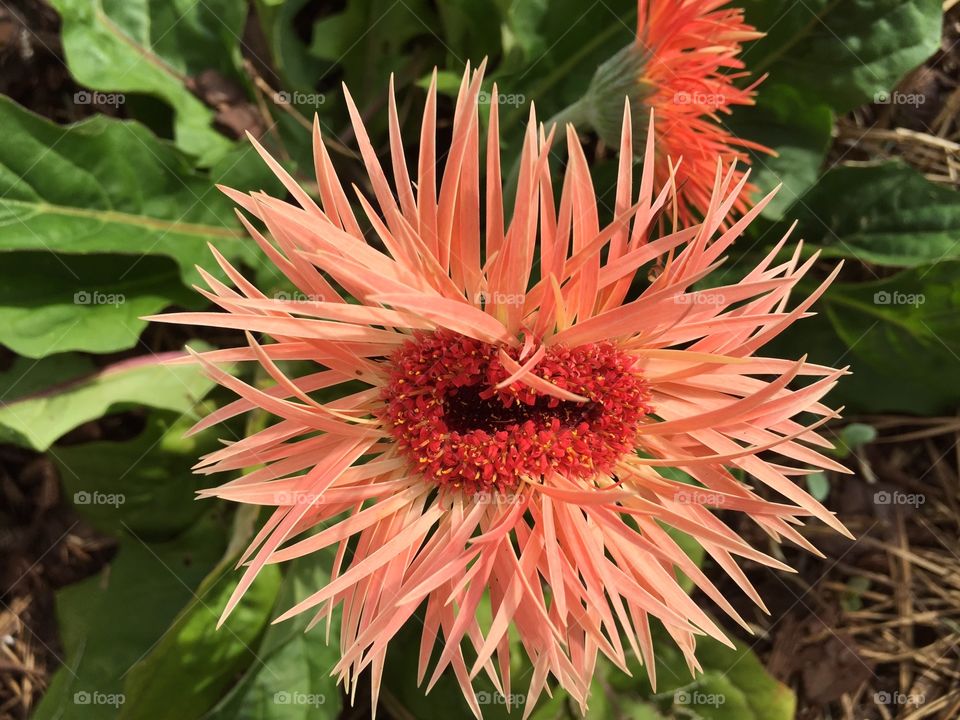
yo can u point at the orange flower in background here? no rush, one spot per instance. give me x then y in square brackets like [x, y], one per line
[693, 69]
[509, 405]
[685, 66]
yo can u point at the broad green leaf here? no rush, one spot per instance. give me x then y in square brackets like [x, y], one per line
[887, 214]
[748, 690]
[72, 395]
[370, 39]
[577, 38]
[154, 47]
[145, 484]
[638, 710]
[109, 621]
[900, 336]
[520, 32]
[188, 670]
[291, 57]
[798, 127]
[845, 52]
[54, 303]
[402, 696]
[28, 377]
[734, 685]
[474, 30]
[108, 186]
[292, 679]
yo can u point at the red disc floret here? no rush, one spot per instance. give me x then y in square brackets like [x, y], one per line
[447, 416]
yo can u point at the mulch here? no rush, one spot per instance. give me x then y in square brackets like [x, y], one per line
[872, 631]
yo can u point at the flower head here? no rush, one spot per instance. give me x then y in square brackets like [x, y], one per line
[685, 66]
[503, 404]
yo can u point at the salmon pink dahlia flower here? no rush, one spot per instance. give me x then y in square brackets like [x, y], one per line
[685, 66]
[506, 404]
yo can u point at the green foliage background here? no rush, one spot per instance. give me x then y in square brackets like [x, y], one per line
[125, 208]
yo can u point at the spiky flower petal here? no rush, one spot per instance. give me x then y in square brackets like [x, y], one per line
[685, 66]
[505, 404]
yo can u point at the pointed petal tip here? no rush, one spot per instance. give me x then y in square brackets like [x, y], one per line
[842, 529]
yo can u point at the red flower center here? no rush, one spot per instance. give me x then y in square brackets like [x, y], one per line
[447, 416]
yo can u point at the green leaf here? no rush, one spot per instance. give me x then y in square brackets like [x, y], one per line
[856, 434]
[185, 674]
[555, 708]
[691, 548]
[895, 218]
[746, 687]
[73, 395]
[154, 47]
[844, 52]
[639, 710]
[852, 598]
[292, 680]
[734, 684]
[798, 127]
[292, 59]
[107, 622]
[109, 186]
[818, 485]
[370, 39]
[144, 484]
[474, 30]
[55, 303]
[577, 38]
[900, 335]
[520, 29]
[402, 696]
[27, 377]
